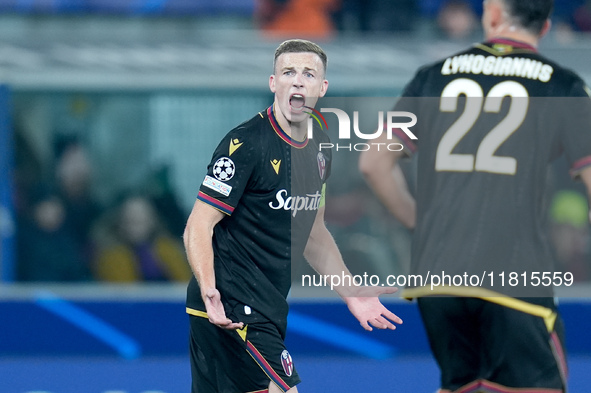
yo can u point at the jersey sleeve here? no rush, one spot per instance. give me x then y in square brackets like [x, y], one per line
[228, 173]
[576, 136]
[409, 102]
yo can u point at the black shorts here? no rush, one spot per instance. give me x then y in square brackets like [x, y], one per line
[496, 345]
[238, 361]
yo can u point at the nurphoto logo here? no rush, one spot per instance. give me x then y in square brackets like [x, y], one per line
[394, 119]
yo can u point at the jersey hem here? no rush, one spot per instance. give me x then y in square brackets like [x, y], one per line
[196, 313]
[549, 316]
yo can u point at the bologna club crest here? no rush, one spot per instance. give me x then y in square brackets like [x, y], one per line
[287, 363]
[321, 165]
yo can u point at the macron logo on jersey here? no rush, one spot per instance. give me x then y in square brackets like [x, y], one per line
[296, 203]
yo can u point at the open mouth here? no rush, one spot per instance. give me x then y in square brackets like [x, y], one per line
[297, 101]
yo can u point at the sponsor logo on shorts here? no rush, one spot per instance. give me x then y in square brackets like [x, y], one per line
[218, 186]
[287, 363]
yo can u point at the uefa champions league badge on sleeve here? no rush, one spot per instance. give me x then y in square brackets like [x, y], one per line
[224, 169]
[287, 363]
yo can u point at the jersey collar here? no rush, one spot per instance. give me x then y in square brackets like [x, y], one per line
[282, 134]
[513, 43]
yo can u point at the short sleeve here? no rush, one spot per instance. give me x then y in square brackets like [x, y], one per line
[409, 102]
[228, 173]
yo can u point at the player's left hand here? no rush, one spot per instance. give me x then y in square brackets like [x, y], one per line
[368, 309]
[216, 313]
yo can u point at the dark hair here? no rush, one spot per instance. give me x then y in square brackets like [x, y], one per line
[299, 46]
[530, 14]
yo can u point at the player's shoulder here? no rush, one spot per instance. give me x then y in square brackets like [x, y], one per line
[251, 128]
[572, 82]
[566, 74]
[321, 136]
[245, 138]
[429, 76]
[319, 142]
[435, 66]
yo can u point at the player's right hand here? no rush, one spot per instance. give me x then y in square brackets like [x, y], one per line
[216, 313]
[369, 311]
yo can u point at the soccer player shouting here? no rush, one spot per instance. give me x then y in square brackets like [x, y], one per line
[261, 206]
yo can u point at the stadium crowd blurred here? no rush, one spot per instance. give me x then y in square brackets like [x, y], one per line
[453, 18]
[65, 234]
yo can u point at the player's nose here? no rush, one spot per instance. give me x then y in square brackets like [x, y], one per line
[298, 80]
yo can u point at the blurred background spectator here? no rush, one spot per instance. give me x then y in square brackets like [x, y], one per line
[134, 246]
[457, 19]
[161, 192]
[74, 176]
[47, 247]
[582, 17]
[377, 16]
[303, 18]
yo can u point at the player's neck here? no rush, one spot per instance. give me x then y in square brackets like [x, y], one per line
[515, 35]
[296, 131]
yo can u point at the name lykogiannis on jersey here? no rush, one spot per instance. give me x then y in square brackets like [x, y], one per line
[498, 66]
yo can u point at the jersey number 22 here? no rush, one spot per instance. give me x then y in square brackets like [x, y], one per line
[485, 159]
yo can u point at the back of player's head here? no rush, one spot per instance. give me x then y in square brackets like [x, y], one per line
[530, 14]
[300, 46]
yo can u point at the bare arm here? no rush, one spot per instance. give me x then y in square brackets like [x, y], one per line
[322, 252]
[324, 256]
[586, 178]
[198, 244]
[384, 176]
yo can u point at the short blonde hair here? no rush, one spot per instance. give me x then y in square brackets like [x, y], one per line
[299, 46]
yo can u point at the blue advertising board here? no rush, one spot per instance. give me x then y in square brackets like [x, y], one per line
[54, 345]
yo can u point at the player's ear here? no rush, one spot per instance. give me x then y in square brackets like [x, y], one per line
[546, 28]
[495, 14]
[272, 83]
[323, 88]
